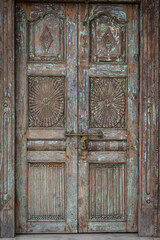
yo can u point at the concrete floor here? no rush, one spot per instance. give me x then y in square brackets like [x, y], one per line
[100, 236]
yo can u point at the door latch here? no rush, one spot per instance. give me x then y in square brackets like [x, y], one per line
[84, 137]
[83, 143]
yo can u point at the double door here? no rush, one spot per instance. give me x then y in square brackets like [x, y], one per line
[76, 117]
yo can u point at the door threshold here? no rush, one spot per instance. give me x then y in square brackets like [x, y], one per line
[81, 236]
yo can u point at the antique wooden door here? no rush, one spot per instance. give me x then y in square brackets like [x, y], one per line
[76, 117]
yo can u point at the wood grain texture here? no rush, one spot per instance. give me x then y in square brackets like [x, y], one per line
[108, 102]
[46, 162]
[7, 119]
[107, 181]
[83, 1]
[46, 191]
[149, 96]
[149, 187]
[107, 145]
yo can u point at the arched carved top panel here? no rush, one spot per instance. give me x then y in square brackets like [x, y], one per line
[45, 30]
[107, 38]
[46, 38]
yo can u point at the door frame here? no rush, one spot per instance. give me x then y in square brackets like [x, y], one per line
[149, 167]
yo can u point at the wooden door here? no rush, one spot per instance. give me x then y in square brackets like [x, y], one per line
[108, 103]
[76, 117]
[46, 96]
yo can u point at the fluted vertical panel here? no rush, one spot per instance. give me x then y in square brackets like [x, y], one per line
[107, 192]
[46, 191]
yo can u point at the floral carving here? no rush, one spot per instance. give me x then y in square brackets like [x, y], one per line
[46, 101]
[46, 39]
[107, 103]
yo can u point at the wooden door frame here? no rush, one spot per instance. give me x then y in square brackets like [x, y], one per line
[149, 167]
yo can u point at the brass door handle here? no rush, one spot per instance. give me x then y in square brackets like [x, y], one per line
[83, 143]
[84, 137]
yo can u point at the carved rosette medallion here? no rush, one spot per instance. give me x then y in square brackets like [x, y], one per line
[46, 101]
[107, 103]
[46, 39]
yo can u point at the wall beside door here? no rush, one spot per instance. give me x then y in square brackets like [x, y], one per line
[149, 149]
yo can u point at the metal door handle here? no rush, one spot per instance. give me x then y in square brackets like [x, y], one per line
[84, 137]
[83, 143]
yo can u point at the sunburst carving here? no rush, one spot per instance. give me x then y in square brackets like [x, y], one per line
[46, 39]
[107, 102]
[46, 101]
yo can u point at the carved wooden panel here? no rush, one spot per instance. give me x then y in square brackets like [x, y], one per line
[107, 39]
[46, 101]
[46, 188]
[107, 102]
[46, 35]
[46, 105]
[107, 191]
[149, 192]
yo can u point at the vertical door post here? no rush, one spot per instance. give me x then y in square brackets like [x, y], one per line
[149, 174]
[7, 119]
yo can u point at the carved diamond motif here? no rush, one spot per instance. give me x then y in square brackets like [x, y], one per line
[46, 39]
[46, 101]
[108, 41]
[107, 103]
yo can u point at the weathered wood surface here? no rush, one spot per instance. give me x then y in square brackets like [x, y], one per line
[108, 101]
[149, 190]
[149, 217]
[83, 1]
[7, 119]
[46, 90]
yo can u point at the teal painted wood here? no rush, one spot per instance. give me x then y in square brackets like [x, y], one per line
[7, 119]
[46, 87]
[149, 121]
[148, 217]
[108, 102]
